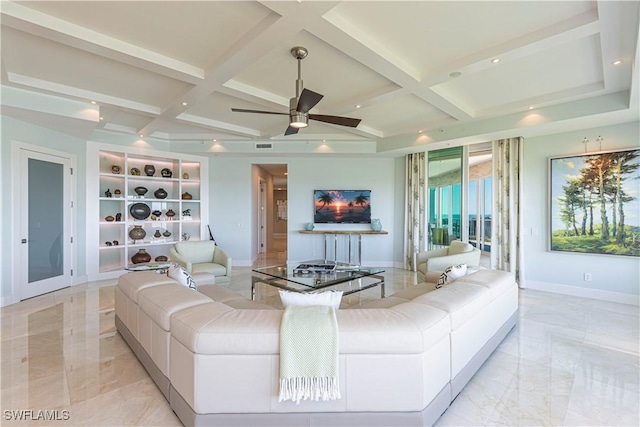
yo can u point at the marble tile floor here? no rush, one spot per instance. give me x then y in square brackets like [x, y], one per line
[569, 361]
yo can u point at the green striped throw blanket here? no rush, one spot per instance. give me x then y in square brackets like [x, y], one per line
[309, 354]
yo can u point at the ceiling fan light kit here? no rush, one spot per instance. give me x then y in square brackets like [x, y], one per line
[304, 101]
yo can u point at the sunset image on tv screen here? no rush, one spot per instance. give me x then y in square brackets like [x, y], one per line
[342, 206]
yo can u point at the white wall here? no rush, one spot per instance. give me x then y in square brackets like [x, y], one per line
[232, 195]
[615, 278]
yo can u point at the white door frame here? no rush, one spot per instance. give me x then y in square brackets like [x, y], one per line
[19, 274]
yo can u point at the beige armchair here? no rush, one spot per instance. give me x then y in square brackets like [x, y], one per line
[438, 259]
[203, 256]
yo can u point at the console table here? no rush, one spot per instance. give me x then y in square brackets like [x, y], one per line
[335, 233]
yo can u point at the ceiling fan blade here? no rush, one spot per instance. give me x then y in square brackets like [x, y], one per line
[291, 130]
[242, 110]
[308, 100]
[336, 120]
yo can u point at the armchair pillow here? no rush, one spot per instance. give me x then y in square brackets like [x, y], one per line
[181, 276]
[450, 274]
[458, 247]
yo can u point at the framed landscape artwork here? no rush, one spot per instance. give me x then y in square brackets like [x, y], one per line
[595, 203]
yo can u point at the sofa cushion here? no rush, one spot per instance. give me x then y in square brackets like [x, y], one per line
[203, 279]
[415, 291]
[406, 328]
[458, 247]
[329, 298]
[498, 282]
[217, 328]
[196, 252]
[181, 276]
[160, 302]
[383, 302]
[461, 300]
[132, 283]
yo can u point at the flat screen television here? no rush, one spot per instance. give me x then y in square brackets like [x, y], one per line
[342, 206]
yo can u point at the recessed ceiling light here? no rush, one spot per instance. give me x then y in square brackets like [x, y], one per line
[358, 105]
[455, 74]
[617, 62]
[141, 136]
[495, 60]
[101, 118]
[286, 173]
[185, 103]
[215, 140]
[420, 131]
[531, 107]
[94, 102]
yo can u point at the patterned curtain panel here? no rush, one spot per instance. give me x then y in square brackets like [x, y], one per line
[415, 198]
[506, 248]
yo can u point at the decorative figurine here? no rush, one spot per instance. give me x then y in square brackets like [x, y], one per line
[185, 236]
[135, 171]
[108, 243]
[166, 173]
[115, 169]
[107, 193]
[185, 176]
[116, 243]
[118, 216]
[186, 212]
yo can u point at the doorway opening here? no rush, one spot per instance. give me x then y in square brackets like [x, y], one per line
[271, 215]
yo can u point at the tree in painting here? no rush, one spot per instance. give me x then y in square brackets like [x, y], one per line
[595, 203]
[325, 199]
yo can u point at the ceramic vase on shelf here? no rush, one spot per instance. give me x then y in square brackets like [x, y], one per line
[375, 224]
[166, 173]
[157, 234]
[140, 257]
[149, 170]
[309, 226]
[137, 233]
[186, 196]
[170, 214]
[160, 193]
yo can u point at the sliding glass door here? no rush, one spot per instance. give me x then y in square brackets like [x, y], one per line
[459, 196]
[445, 196]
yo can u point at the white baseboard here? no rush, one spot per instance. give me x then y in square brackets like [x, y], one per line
[583, 292]
[79, 280]
[8, 300]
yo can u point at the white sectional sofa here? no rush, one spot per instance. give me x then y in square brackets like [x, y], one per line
[403, 359]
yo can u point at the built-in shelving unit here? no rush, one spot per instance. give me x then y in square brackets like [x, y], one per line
[174, 199]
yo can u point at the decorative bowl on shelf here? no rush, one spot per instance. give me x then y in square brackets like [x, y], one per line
[149, 170]
[115, 169]
[109, 218]
[187, 196]
[170, 213]
[166, 173]
[141, 191]
[135, 171]
[140, 210]
[161, 258]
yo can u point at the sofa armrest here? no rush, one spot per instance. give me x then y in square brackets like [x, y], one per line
[422, 257]
[179, 259]
[222, 258]
[472, 259]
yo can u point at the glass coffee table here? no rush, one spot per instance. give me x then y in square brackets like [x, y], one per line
[318, 275]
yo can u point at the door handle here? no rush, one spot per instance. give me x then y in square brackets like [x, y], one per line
[24, 241]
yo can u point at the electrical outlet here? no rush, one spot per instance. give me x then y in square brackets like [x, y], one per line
[587, 277]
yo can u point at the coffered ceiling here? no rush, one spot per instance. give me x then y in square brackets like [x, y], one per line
[415, 72]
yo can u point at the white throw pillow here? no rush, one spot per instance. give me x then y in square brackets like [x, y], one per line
[330, 298]
[180, 275]
[451, 273]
